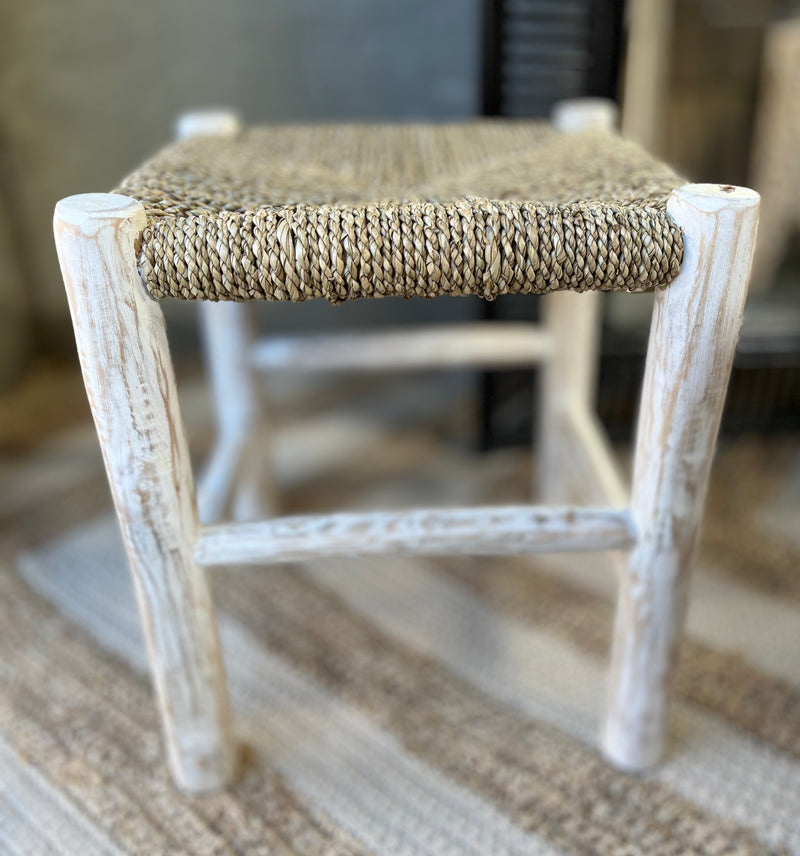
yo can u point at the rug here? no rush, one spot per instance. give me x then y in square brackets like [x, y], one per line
[399, 705]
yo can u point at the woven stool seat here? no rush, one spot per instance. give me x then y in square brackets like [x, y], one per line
[343, 211]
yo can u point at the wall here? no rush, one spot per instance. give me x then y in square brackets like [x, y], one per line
[89, 87]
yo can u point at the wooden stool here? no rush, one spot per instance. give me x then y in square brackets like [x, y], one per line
[295, 213]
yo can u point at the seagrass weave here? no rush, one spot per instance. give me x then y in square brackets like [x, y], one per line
[346, 211]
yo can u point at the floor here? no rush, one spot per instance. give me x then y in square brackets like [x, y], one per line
[394, 705]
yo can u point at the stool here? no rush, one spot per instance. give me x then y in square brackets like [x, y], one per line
[345, 212]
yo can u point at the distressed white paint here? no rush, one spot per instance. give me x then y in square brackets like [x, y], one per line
[573, 321]
[494, 531]
[485, 345]
[692, 343]
[130, 383]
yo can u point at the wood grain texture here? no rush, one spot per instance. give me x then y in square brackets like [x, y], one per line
[693, 338]
[494, 531]
[482, 345]
[130, 383]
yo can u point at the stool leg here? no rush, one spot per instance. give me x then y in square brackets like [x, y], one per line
[573, 320]
[568, 379]
[130, 383]
[693, 337]
[238, 475]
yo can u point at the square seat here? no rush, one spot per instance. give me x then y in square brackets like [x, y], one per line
[484, 207]
[341, 212]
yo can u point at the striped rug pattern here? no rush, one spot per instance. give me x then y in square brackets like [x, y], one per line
[403, 705]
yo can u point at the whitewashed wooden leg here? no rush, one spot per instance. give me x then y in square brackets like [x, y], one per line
[693, 337]
[237, 478]
[130, 383]
[569, 376]
[568, 379]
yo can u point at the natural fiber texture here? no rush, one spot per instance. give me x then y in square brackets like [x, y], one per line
[486, 208]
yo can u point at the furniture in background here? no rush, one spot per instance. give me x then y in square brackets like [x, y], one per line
[697, 110]
[296, 213]
[775, 160]
[236, 481]
[537, 54]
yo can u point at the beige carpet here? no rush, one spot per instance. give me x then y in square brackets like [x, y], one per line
[397, 706]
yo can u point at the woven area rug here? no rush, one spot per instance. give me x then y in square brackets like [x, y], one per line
[398, 705]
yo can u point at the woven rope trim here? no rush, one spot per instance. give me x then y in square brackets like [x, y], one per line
[346, 211]
[415, 249]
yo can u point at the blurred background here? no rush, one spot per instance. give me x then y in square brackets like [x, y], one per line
[88, 89]
[350, 676]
